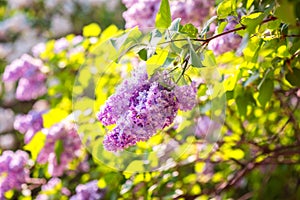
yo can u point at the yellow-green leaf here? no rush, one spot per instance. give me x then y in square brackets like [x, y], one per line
[91, 30]
[163, 17]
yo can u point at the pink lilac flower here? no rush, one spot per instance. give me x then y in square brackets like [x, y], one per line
[13, 171]
[29, 124]
[77, 40]
[141, 13]
[191, 11]
[140, 107]
[228, 42]
[61, 45]
[31, 80]
[88, 191]
[51, 185]
[64, 135]
[186, 96]
[38, 49]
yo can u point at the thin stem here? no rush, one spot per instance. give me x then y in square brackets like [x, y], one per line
[243, 27]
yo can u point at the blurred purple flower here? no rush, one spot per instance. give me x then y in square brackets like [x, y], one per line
[51, 185]
[186, 96]
[13, 171]
[31, 80]
[29, 124]
[38, 49]
[88, 191]
[77, 39]
[62, 146]
[141, 13]
[205, 126]
[140, 107]
[228, 42]
[61, 45]
[191, 11]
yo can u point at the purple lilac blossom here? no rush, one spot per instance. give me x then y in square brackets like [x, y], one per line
[191, 11]
[61, 45]
[88, 191]
[38, 49]
[51, 185]
[31, 80]
[186, 96]
[29, 124]
[205, 126]
[13, 171]
[77, 40]
[64, 133]
[140, 107]
[228, 42]
[142, 13]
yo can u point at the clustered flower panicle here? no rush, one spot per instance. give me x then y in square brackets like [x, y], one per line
[140, 107]
[66, 134]
[53, 184]
[13, 170]
[31, 79]
[29, 124]
[89, 191]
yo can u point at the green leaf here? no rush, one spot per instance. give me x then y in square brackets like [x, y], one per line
[209, 59]
[91, 30]
[286, 12]
[255, 56]
[135, 166]
[252, 21]
[175, 25]
[119, 41]
[206, 26]
[237, 154]
[167, 62]
[54, 116]
[251, 79]
[265, 92]
[143, 54]
[243, 44]
[190, 30]
[194, 58]
[36, 144]
[249, 3]
[155, 37]
[58, 149]
[226, 8]
[242, 102]
[163, 17]
[294, 77]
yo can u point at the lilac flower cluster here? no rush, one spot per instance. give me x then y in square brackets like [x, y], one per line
[31, 79]
[29, 124]
[13, 171]
[142, 13]
[191, 11]
[89, 191]
[227, 42]
[52, 184]
[140, 107]
[64, 136]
